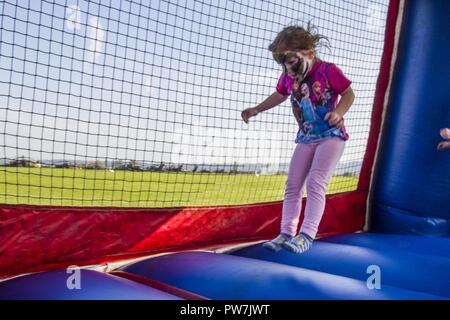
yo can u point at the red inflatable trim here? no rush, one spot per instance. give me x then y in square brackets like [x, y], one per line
[159, 285]
[42, 238]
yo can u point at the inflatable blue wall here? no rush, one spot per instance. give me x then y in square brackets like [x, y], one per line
[411, 191]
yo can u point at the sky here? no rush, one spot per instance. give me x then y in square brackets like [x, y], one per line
[167, 80]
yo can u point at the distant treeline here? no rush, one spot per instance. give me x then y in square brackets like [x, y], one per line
[349, 169]
[130, 165]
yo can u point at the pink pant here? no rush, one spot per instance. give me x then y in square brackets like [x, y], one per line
[313, 164]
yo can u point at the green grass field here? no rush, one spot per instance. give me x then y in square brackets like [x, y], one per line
[81, 187]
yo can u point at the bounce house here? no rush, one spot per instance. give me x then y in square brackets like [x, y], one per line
[131, 231]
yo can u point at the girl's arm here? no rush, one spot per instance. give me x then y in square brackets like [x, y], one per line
[336, 118]
[347, 98]
[272, 101]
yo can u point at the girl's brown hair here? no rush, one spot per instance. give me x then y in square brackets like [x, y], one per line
[296, 38]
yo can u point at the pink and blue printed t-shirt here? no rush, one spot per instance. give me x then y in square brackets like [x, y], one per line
[313, 98]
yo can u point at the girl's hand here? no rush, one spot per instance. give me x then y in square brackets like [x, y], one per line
[248, 113]
[334, 119]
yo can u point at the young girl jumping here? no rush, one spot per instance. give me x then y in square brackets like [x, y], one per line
[314, 87]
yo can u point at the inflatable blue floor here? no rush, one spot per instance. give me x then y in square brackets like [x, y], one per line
[340, 267]
[409, 267]
[94, 285]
